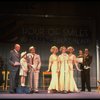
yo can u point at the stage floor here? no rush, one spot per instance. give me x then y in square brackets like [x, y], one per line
[44, 95]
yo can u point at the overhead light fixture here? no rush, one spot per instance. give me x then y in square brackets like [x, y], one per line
[46, 16]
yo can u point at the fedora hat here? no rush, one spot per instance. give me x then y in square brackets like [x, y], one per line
[23, 54]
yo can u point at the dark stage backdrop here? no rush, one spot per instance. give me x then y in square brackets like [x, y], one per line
[79, 33]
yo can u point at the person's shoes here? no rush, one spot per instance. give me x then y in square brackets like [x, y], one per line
[68, 91]
[82, 90]
[77, 91]
[89, 90]
[23, 85]
[71, 92]
[65, 92]
[49, 91]
[32, 91]
[36, 91]
[12, 92]
[54, 91]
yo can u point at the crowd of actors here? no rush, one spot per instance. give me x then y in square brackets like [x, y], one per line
[62, 68]
[23, 65]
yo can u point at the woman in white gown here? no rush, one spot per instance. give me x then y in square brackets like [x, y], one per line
[71, 62]
[64, 70]
[53, 66]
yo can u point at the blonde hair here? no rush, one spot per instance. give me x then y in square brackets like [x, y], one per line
[53, 48]
[70, 48]
[61, 48]
[23, 54]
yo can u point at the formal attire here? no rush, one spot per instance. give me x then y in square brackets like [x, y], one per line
[35, 61]
[14, 70]
[72, 83]
[64, 72]
[86, 72]
[24, 66]
[53, 61]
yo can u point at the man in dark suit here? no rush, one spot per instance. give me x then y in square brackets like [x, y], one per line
[87, 59]
[14, 60]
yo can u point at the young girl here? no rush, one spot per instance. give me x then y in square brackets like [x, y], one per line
[23, 68]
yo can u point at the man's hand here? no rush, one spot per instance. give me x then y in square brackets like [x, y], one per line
[16, 63]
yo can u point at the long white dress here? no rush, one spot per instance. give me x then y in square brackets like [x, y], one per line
[54, 79]
[72, 83]
[64, 72]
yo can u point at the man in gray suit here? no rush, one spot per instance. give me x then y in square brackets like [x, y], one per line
[14, 60]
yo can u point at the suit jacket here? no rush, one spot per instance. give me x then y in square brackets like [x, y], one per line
[87, 60]
[34, 60]
[14, 57]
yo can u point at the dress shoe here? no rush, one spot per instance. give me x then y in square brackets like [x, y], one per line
[49, 91]
[32, 91]
[82, 90]
[77, 91]
[36, 91]
[64, 92]
[89, 90]
[12, 92]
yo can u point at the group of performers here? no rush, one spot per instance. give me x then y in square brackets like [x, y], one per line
[62, 68]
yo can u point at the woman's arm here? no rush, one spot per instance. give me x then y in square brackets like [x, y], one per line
[76, 64]
[50, 63]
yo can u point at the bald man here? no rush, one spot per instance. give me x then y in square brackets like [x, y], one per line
[14, 60]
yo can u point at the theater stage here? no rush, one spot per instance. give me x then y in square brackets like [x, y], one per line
[44, 95]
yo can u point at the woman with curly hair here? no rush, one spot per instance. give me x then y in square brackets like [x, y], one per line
[53, 66]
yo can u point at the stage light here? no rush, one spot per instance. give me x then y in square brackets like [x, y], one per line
[46, 16]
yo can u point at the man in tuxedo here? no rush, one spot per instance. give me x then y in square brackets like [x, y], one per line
[35, 65]
[87, 59]
[14, 61]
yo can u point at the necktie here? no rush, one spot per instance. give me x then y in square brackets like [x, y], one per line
[33, 60]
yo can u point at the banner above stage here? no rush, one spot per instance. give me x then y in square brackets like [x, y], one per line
[70, 35]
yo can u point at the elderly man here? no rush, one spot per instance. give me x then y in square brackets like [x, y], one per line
[34, 68]
[14, 60]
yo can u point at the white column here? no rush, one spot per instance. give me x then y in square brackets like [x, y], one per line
[98, 66]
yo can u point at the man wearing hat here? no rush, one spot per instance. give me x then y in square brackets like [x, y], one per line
[35, 64]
